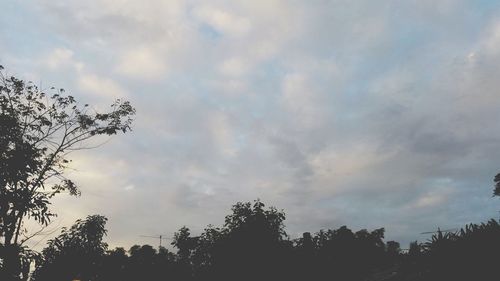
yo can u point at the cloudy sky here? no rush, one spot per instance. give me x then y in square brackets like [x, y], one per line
[361, 113]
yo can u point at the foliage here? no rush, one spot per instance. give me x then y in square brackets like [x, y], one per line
[76, 253]
[468, 254]
[496, 191]
[23, 257]
[246, 216]
[252, 245]
[184, 243]
[37, 132]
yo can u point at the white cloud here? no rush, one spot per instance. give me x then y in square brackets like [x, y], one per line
[142, 63]
[223, 21]
[234, 67]
[327, 107]
[222, 134]
[61, 58]
[100, 86]
[491, 39]
[303, 100]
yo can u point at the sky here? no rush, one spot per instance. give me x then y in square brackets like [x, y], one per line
[360, 113]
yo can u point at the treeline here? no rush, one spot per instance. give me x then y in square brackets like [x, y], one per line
[253, 245]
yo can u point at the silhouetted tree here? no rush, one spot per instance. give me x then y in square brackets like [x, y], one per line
[77, 253]
[496, 191]
[304, 260]
[142, 263]
[251, 244]
[469, 254]
[184, 243]
[36, 134]
[145, 263]
[206, 251]
[349, 256]
[393, 248]
[115, 264]
[166, 265]
[412, 263]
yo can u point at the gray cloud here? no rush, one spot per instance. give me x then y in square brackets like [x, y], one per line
[347, 112]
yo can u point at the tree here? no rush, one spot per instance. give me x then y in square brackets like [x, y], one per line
[496, 192]
[393, 250]
[76, 253]
[142, 262]
[37, 132]
[252, 244]
[255, 218]
[114, 265]
[184, 243]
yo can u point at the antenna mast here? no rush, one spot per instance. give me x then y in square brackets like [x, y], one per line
[157, 237]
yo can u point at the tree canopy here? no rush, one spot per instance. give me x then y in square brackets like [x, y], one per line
[251, 251]
[38, 131]
[496, 191]
[76, 252]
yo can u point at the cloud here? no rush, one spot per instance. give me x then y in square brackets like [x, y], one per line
[303, 101]
[223, 21]
[100, 86]
[234, 67]
[142, 63]
[339, 112]
[62, 58]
